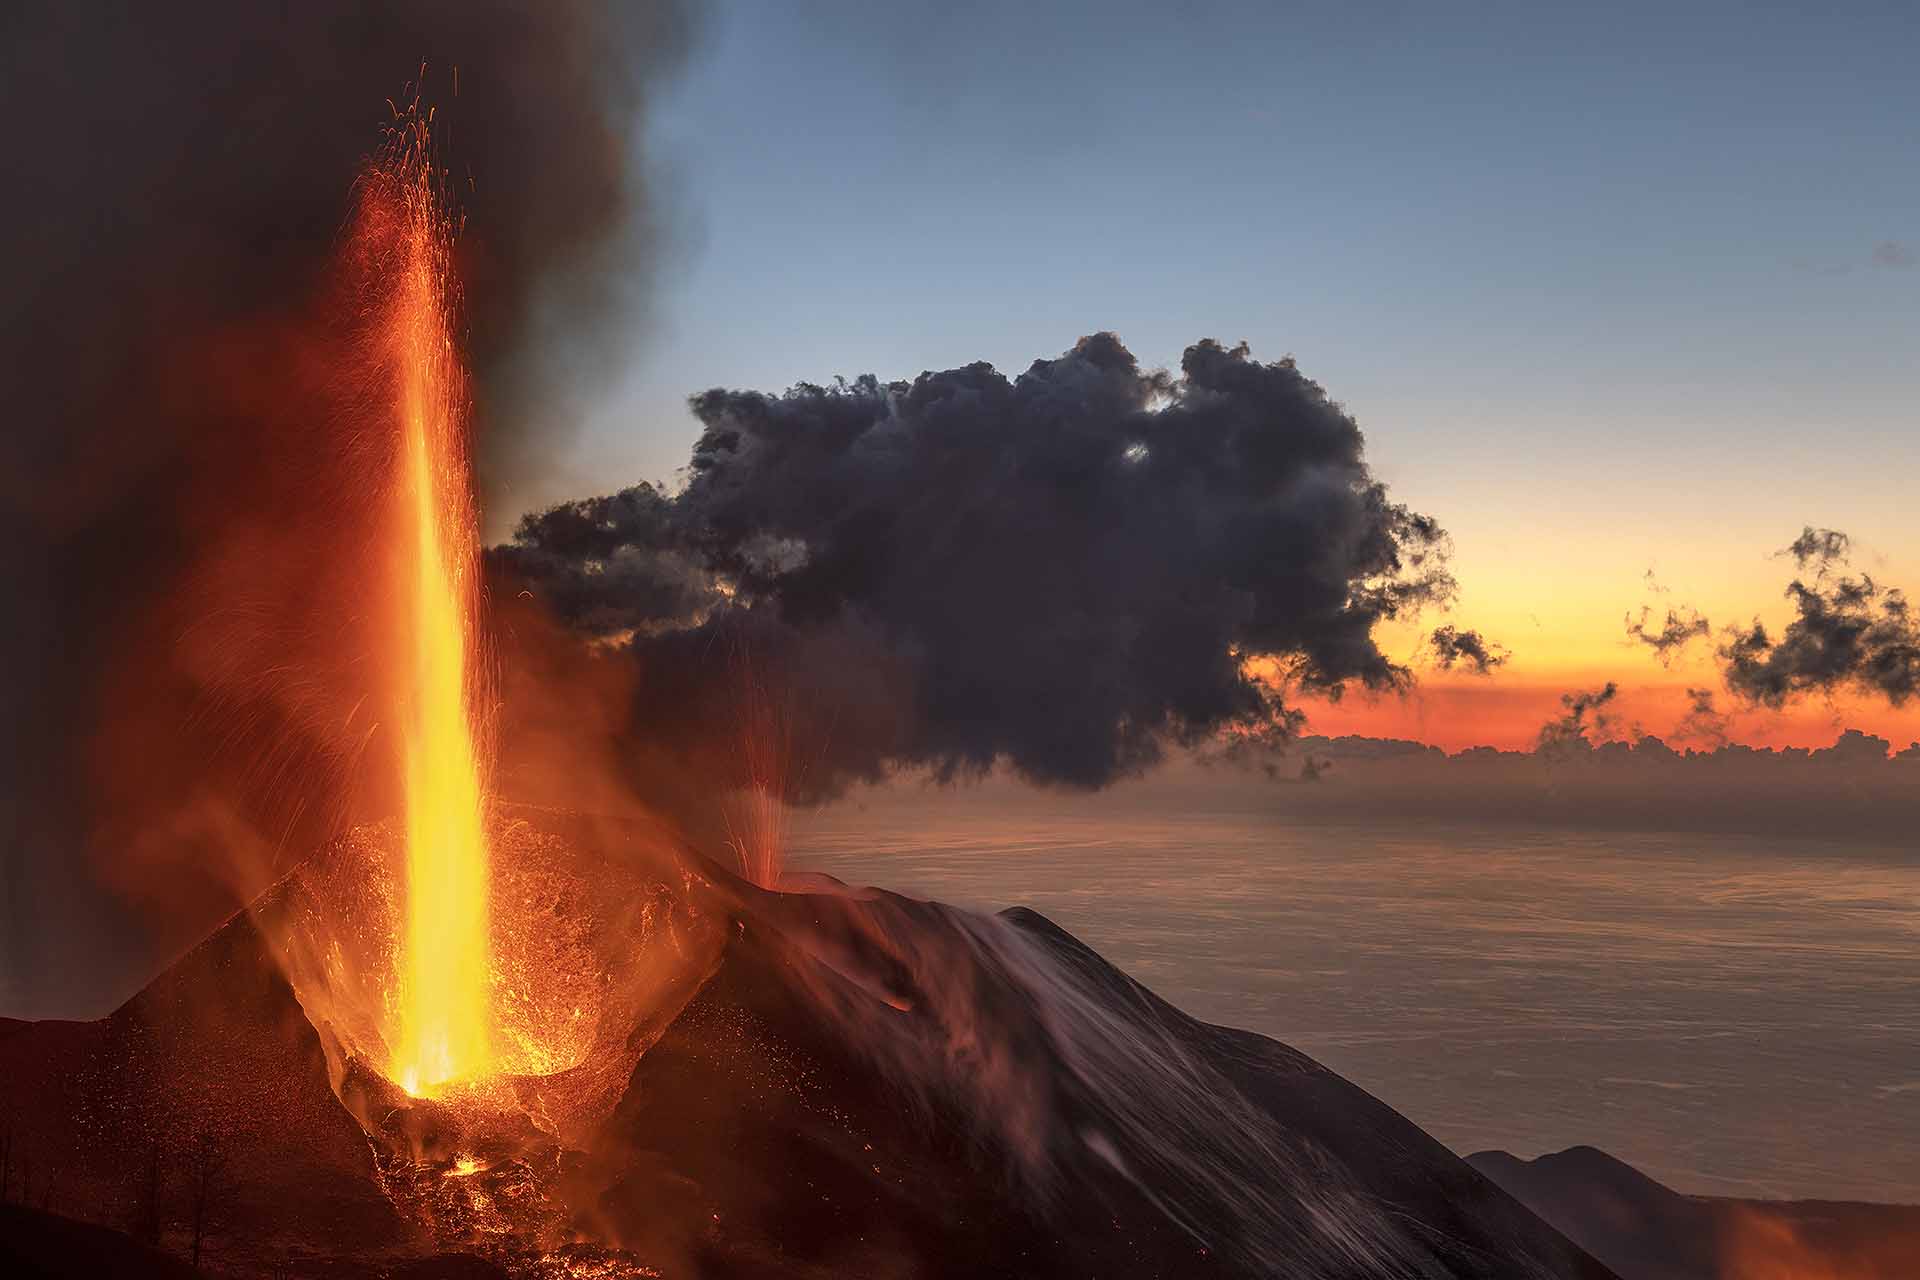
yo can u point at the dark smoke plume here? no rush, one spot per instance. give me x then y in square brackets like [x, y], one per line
[178, 505]
[1065, 571]
[1453, 647]
[1583, 716]
[1681, 627]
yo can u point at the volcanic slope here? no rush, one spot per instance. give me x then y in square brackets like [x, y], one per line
[846, 1083]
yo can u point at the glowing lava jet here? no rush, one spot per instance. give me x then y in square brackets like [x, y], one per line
[440, 1003]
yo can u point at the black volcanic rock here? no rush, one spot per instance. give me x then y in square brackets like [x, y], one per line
[853, 1083]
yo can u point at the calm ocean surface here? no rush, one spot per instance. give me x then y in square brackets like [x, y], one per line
[1734, 1015]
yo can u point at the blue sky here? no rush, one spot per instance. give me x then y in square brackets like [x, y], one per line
[1600, 281]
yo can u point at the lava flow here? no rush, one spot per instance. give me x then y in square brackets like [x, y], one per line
[440, 1002]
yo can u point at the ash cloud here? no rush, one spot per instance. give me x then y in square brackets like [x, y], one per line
[1456, 647]
[1846, 633]
[1065, 572]
[174, 491]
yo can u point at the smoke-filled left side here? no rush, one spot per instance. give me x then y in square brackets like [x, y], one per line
[189, 487]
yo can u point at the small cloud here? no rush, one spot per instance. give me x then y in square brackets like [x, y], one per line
[1671, 636]
[1454, 647]
[1846, 631]
[1584, 715]
[1703, 722]
[1891, 253]
[1819, 548]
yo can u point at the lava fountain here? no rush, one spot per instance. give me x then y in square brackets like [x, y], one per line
[491, 959]
[440, 1012]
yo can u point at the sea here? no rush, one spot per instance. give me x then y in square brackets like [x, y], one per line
[1734, 1015]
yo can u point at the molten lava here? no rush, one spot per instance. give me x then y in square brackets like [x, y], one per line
[441, 1002]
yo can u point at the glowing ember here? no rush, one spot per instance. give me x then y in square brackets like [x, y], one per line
[441, 998]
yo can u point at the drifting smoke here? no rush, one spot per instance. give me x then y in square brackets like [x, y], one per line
[1453, 647]
[1065, 571]
[1583, 716]
[179, 484]
[1847, 633]
[1681, 627]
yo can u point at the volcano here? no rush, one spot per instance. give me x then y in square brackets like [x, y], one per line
[821, 1081]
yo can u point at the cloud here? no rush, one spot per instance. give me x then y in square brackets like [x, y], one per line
[1820, 548]
[1846, 633]
[1584, 714]
[1703, 722]
[1681, 626]
[1066, 571]
[1453, 647]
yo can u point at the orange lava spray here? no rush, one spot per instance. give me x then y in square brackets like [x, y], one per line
[442, 989]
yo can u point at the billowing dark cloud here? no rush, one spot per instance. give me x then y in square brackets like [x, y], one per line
[1066, 571]
[1584, 713]
[1455, 647]
[179, 491]
[1681, 626]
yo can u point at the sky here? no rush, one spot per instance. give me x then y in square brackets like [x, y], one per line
[1611, 290]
